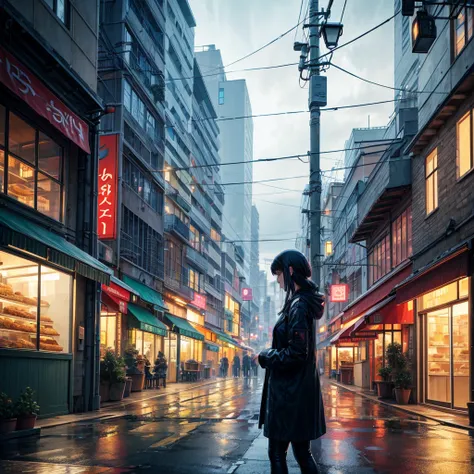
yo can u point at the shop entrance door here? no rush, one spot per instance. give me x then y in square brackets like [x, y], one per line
[171, 354]
[447, 356]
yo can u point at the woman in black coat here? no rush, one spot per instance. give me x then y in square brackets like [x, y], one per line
[292, 406]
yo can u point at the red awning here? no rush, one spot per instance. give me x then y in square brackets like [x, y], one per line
[386, 312]
[114, 304]
[345, 335]
[446, 270]
[377, 293]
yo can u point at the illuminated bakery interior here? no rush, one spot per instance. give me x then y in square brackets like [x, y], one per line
[21, 282]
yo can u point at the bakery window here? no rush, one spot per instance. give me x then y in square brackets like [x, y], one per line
[35, 306]
[31, 165]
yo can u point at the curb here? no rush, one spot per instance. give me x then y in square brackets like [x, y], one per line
[20, 434]
[411, 411]
[110, 409]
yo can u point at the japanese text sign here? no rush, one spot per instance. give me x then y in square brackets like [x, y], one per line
[247, 294]
[339, 293]
[116, 291]
[199, 301]
[107, 216]
[30, 89]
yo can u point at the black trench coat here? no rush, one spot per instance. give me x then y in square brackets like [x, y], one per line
[292, 405]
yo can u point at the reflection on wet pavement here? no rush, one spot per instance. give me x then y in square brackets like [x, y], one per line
[213, 429]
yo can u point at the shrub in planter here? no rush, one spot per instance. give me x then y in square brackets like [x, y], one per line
[384, 387]
[403, 383]
[7, 414]
[112, 374]
[26, 410]
[131, 361]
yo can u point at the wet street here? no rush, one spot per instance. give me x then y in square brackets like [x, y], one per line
[213, 429]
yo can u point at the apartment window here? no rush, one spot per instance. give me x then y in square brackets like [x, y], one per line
[379, 260]
[195, 238]
[221, 96]
[464, 27]
[401, 237]
[464, 142]
[215, 236]
[136, 180]
[127, 47]
[431, 181]
[32, 166]
[193, 280]
[140, 244]
[150, 124]
[60, 8]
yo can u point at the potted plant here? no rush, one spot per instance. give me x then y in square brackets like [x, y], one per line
[403, 386]
[113, 374]
[384, 386]
[26, 410]
[105, 373]
[7, 412]
[138, 377]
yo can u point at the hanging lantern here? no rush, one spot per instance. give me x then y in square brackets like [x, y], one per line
[328, 248]
[408, 7]
[423, 32]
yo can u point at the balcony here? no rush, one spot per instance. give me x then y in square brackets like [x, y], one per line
[174, 225]
[201, 220]
[387, 186]
[214, 255]
[177, 197]
[176, 282]
[196, 258]
[214, 292]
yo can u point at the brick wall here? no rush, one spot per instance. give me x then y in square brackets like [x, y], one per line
[455, 197]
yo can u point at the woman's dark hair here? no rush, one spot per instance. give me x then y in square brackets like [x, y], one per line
[301, 271]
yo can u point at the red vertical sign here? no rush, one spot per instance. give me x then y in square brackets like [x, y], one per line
[108, 159]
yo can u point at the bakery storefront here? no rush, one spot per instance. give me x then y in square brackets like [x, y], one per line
[41, 328]
[441, 292]
[113, 312]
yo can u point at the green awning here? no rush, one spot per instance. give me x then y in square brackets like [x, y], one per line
[181, 326]
[123, 285]
[226, 338]
[24, 234]
[212, 347]
[146, 321]
[147, 294]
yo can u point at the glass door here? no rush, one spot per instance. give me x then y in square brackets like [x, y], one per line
[171, 354]
[438, 357]
[461, 355]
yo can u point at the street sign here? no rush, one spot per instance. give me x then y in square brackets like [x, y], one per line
[247, 294]
[339, 293]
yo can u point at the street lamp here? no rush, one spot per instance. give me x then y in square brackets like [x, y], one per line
[408, 7]
[331, 33]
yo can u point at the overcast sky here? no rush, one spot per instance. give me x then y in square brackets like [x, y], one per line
[238, 27]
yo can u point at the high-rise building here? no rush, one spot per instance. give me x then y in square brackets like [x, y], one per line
[231, 99]
[254, 265]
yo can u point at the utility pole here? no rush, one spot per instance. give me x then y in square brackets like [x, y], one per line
[315, 165]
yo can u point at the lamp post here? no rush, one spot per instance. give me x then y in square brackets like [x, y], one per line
[331, 32]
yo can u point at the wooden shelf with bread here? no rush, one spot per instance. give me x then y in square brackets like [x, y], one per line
[18, 322]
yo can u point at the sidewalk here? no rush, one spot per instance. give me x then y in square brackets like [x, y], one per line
[112, 409]
[444, 418]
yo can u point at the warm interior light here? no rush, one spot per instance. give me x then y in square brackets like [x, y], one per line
[180, 301]
[328, 248]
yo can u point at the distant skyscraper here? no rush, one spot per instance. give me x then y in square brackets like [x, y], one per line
[231, 99]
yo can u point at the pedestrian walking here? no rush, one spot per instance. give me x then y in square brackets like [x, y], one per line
[236, 366]
[246, 364]
[254, 366]
[224, 366]
[160, 370]
[292, 407]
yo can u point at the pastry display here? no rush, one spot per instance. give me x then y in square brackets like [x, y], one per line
[48, 331]
[7, 323]
[19, 343]
[49, 344]
[20, 190]
[46, 319]
[5, 290]
[20, 312]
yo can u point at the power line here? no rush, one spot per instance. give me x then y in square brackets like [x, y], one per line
[384, 85]
[280, 158]
[343, 10]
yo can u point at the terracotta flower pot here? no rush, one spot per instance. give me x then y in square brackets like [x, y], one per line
[7, 426]
[116, 391]
[384, 389]
[128, 387]
[104, 392]
[402, 395]
[138, 381]
[25, 422]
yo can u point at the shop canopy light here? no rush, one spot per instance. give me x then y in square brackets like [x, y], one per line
[331, 33]
[423, 32]
[408, 7]
[328, 248]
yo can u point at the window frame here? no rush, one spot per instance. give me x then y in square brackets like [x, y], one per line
[469, 116]
[53, 6]
[221, 97]
[35, 166]
[433, 174]
[468, 12]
